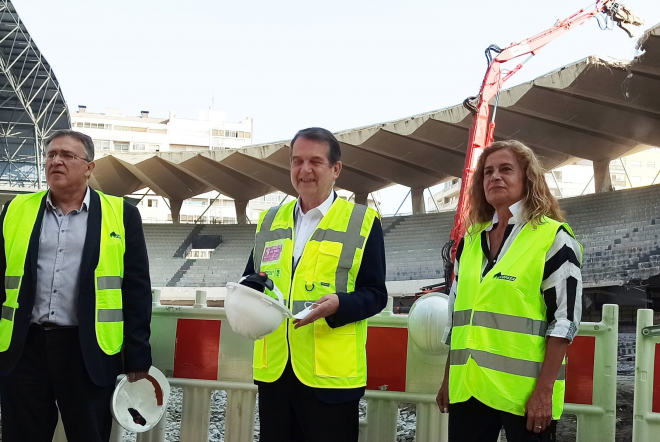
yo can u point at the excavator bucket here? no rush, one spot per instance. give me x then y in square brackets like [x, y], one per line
[624, 18]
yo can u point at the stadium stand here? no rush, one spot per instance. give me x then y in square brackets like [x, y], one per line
[619, 230]
[413, 246]
[163, 240]
[227, 262]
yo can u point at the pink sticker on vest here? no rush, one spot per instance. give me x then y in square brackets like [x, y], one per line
[272, 253]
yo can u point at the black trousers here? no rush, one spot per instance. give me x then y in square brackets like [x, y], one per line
[473, 421]
[290, 411]
[51, 370]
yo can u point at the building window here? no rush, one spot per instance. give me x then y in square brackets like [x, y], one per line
[154, 147]
[120, 147]
[218, 133]
[102, 144]
[241, 134]
[247, 135]
[152, 203]
[158, 131]
[139, 146]
[195, 202]
[635, 164]
[87, 125]
[79, 124]
[650, 164]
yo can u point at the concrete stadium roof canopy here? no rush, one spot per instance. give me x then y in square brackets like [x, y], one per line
[31, 103]
[597, 109]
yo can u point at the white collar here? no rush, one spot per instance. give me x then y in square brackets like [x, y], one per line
[84, 205]
[514, 208]
[323, 207]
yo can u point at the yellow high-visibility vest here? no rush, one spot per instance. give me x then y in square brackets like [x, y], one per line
[498, 335]
[17, 228]
[321, 356]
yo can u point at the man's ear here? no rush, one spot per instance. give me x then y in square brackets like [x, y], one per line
[337, 169]
[90, 168]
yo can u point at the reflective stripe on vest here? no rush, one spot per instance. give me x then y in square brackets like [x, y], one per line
[22, 212]
[499, 323]
[518, 367]
[321, 356]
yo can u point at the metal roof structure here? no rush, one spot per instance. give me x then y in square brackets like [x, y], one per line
[597, 109]
[31, 103]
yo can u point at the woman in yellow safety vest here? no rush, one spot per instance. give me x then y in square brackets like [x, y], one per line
[515, 304]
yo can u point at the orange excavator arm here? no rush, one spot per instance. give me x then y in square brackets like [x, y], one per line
[483, 123]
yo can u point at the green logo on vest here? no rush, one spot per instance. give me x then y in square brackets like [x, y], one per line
[499, 275]
[115, 235]
[276, 273]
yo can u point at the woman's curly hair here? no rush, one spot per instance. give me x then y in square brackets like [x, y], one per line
[537, 200]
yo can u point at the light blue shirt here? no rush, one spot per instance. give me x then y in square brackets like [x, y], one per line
[61, 244]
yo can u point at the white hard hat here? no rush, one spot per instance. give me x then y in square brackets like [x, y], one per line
[253, 314]
[138, 406]
[427, 320]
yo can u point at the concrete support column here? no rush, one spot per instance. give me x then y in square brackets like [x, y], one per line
[241, 206]
[361, 198]
[175, 208]
[602, 177]
[418, 206]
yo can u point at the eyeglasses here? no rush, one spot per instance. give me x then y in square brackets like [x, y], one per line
[65, 156]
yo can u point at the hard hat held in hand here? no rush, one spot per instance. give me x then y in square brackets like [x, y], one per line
[139, 406]
[427, 320]
[253, 314]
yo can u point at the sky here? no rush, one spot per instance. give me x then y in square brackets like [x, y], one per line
[294, 64]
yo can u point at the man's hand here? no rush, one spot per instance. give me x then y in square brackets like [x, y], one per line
[135, 376]
[325, 306]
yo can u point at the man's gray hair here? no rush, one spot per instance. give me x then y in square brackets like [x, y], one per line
[86, 140]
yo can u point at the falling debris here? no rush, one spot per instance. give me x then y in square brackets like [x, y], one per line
[626, 20]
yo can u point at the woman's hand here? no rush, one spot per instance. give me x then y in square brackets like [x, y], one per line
[539, 405]
[443, 394]
[443, 397]
[539, 409]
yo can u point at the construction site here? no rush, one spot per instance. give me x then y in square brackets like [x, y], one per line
[596, 109]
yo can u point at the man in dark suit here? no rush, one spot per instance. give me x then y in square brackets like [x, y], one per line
[76, 305]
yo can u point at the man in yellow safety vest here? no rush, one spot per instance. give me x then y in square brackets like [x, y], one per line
[326, 255]
[76, 302]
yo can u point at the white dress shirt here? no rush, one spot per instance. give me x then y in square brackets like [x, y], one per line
[306, 223]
